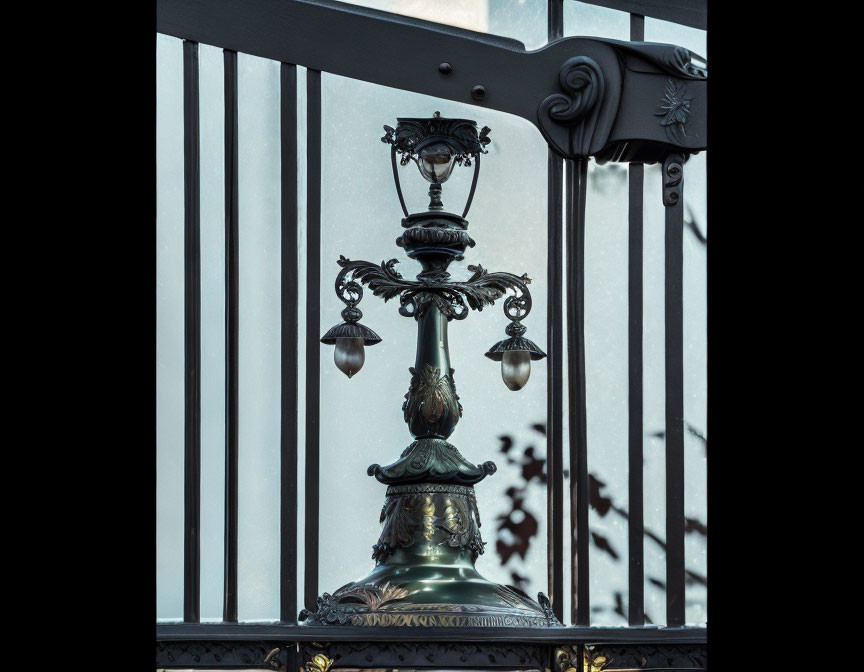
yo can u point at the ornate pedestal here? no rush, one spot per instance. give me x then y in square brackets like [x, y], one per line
[425, 572]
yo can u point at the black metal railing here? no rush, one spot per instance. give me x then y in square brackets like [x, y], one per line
[313, 326]
[567, 181]
[232, 334]
[289, 335]
[636, 428]
[192, 335]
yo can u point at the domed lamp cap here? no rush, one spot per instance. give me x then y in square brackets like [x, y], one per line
[515, 344]
[515, 354]
[351, 330]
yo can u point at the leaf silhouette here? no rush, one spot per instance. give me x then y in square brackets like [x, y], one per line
[692, 577]
[522, 532]
[603, 544]
[695, 525]
[597, 501]
[533, 467]
[517, 538]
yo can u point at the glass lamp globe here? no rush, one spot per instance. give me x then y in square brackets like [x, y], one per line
[436, 162]
[516, 368]
[349, 355]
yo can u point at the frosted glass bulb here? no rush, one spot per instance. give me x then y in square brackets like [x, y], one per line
[436, 163]
[349, 355]
[516, 368]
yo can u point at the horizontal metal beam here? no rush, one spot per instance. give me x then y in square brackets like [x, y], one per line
[303, 633]
[405, 53]
[693, 13]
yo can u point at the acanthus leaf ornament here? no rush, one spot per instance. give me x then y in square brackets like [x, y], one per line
[567, 120]
[415, 296]
[452, 519]
[374, 597]
[675, 109]
[431, 399]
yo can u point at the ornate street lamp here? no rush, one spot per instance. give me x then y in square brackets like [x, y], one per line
[425, 557]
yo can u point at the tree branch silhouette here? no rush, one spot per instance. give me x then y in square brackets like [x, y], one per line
[518, 527]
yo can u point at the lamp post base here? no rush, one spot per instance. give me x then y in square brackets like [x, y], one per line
[425, 574]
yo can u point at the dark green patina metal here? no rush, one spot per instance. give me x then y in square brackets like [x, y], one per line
[425, 572]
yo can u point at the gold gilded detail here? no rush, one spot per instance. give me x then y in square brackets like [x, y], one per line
[270, 656]
[594, 662]
[452, 520]
[453, 620]
[374, 597]
[598, 663]
[566, 659]
[320, 663]
[429, 518]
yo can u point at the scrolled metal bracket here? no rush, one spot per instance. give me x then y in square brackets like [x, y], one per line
[567, 120]
[453, 299]
[673, 176]
[350, 293]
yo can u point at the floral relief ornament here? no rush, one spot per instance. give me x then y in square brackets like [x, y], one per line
[675, 108]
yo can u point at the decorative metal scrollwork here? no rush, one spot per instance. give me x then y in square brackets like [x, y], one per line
[567, 120]
[320, 663]
[453, 299]
[546, 605]
[673, 176]
[566, 659]
[444, 514]
[350, 293]
[431, 404]
[516, 308]
[459, 134]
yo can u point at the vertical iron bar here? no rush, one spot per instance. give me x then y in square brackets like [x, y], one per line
[673, 198]
[636, 521]
[293, 659]
[577, 172]
[289, 335]
[637, 28]
[313, 327]
[554, 408]
[232, 335]
[555, 19]
[555, 364]
[192, 336]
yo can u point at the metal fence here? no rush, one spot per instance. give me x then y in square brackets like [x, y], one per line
[366, 44]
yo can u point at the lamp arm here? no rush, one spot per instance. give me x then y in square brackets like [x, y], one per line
[453, 299]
